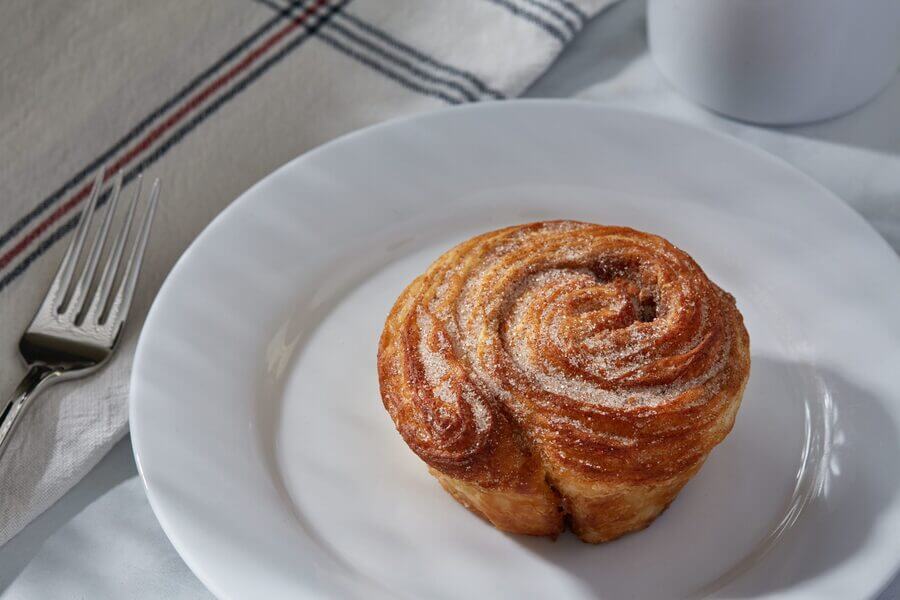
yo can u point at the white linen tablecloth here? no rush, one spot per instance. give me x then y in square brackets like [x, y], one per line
[102, 541]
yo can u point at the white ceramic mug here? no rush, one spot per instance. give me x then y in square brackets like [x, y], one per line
[776, 61]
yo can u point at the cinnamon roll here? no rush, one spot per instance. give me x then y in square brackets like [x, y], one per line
[564, 373]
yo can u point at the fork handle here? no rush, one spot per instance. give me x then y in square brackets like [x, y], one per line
[38, 378]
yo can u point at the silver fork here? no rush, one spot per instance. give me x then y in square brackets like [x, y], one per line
[73, 334]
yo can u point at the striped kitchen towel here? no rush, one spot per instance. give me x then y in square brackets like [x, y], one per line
[209, 95]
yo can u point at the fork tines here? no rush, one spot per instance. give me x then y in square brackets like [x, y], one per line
[71, 301]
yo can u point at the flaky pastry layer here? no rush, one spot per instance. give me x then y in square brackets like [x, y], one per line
[564, 372]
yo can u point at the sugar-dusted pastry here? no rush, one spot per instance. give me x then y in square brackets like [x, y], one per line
[564, 372]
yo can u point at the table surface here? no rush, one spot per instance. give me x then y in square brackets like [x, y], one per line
[101, 539]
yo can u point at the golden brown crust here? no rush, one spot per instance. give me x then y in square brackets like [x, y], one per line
[564, 367]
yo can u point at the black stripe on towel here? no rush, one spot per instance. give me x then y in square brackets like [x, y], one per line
[535, 19]
[479, 86]
[407, 66]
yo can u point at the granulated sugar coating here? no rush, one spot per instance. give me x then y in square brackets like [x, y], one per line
[567, 316]
[564, 372]
[567, 319]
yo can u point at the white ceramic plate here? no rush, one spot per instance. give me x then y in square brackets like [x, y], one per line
[275, 471]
